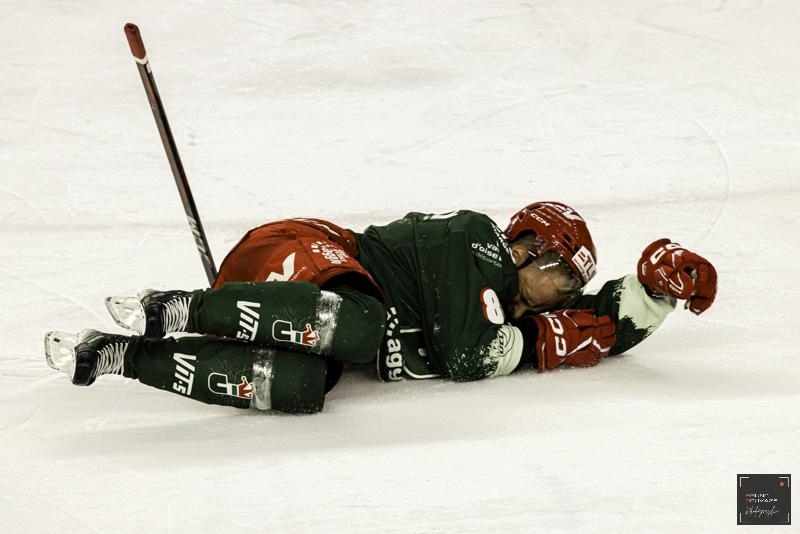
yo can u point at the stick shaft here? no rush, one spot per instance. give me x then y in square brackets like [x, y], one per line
[160, 115]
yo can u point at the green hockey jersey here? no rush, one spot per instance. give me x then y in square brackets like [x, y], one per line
[449, 282]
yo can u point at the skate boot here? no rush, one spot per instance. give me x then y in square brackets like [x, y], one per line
[152, 313]
[86, 355]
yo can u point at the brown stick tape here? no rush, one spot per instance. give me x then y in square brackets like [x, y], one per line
[135, 40]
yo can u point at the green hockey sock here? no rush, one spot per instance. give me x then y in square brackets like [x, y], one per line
[342, 323]
[229, 373]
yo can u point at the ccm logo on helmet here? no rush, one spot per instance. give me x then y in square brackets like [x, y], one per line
[539, 218]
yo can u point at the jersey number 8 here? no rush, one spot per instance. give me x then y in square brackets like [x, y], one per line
[492, 309]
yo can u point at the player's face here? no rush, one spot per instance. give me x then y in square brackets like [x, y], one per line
[543, 286]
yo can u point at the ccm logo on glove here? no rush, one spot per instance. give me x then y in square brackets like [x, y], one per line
[666, 268]
[572, 337]
[557, 329]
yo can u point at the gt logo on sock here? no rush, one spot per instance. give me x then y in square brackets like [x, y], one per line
[284, 331]
[218, 383]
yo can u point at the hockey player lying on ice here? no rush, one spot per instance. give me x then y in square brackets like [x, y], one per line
[426, 296]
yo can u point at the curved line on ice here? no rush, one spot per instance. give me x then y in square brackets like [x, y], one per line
[722, 154]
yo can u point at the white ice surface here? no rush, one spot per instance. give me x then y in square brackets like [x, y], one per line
[653, 118]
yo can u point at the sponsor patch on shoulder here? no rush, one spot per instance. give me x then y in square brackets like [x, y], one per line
[488, 252]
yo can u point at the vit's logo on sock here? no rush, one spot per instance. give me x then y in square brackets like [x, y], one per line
[248, 319]
[284, 331]
[184, 373]
[218, 383]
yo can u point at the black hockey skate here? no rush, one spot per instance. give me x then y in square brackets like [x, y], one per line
[86, 355]
[152, 313]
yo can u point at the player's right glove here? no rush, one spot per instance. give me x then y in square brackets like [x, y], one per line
[572, 337]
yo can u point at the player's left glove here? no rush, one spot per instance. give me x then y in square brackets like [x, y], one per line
[571, 337]
[666, 268]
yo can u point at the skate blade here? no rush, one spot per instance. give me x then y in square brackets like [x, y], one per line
[59, 348]
[127, 312]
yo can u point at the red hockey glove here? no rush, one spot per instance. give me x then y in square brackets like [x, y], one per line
[668, 268]
[572, 337]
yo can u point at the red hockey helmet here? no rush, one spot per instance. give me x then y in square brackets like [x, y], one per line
[558, 229]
